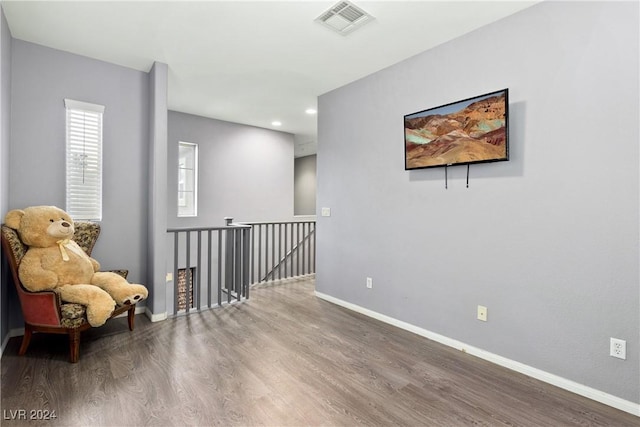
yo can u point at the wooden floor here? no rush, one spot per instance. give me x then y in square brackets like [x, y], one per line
[283, 358]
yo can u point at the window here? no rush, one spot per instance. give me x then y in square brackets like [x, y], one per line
[84, 160]
[187, 179]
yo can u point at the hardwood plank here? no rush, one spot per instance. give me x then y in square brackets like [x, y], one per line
[283, 358]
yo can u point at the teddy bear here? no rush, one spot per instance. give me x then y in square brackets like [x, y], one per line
[55, 262]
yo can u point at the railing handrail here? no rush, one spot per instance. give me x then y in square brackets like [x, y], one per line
[276, 222]
[224, 227]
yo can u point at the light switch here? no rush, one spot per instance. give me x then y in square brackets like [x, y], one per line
[326, 211]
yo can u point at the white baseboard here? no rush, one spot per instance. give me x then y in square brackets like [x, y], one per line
[16, 332]
[158, 317]
[138, 311]
[572, 386]
[12, 333]
[4, 343]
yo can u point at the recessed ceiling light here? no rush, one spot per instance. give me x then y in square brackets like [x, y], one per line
[310, 111]
[276, 123]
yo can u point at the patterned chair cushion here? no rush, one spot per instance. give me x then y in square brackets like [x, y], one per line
[122, 273]
[17, 247]
[86, 235]
[73, 315]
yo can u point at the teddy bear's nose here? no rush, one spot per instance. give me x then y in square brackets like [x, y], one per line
[66, 224]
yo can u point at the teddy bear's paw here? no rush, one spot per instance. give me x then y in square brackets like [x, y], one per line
[133, 294]
[133, 299]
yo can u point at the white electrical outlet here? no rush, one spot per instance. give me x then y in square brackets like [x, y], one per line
[618, 348]
[482, 313]
[369, 283]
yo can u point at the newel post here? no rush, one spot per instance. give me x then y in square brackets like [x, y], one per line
[229, 236]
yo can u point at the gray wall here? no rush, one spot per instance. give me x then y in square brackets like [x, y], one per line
[244, 172]
[305, 185]
[5, 134]
[547, 241]
[41, 79]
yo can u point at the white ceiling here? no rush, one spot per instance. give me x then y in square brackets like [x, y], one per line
[249, 62]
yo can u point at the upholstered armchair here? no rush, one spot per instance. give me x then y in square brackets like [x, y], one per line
[44, 311]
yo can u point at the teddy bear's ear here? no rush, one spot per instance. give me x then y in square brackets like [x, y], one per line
[13, 218]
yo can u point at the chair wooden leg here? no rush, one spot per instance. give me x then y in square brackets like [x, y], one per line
[25, 340]
[131, 313]
[74, 345]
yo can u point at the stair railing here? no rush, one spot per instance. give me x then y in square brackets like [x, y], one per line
[282, 250]
[210, 266]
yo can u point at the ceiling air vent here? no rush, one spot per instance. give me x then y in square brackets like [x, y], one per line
[344, 17]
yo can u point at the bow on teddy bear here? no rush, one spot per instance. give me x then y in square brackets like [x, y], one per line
[55, 262]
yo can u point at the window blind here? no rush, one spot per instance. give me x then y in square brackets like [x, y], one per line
[84, 160]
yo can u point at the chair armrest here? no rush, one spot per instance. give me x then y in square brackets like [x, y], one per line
[123, 273]
[40, 308]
